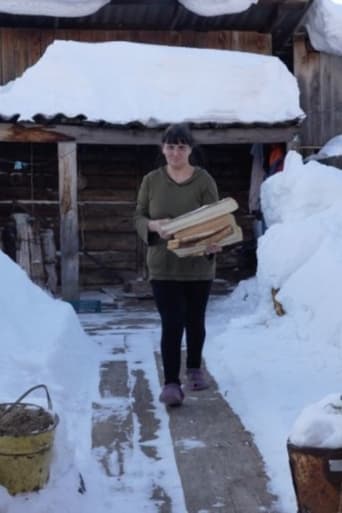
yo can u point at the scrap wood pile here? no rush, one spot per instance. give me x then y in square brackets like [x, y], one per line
[32, 248]
[193, 232]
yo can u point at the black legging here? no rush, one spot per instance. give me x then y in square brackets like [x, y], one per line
[181, 305]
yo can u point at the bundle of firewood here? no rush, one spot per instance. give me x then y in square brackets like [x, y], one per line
[193, 232]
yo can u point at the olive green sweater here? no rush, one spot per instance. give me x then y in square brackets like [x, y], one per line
[161, 197]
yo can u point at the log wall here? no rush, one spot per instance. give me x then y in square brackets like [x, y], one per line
[21, 48]
[108, 181]
[319, 76]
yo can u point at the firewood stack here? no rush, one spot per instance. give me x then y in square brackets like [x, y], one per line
[193, 232]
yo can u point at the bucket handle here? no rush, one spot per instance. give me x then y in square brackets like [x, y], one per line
[48, 398]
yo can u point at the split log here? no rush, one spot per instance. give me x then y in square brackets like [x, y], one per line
[204, 229]
[206, 241]
[195, 231]
[199, 248]
[202, 214]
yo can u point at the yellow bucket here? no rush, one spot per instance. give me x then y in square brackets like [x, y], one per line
[25, 458]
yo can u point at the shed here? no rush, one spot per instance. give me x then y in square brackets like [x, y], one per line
[111, 159]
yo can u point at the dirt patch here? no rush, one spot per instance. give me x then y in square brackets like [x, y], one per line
[24, 420]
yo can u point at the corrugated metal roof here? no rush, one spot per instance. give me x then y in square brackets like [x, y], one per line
[82, 120]
[278, 17]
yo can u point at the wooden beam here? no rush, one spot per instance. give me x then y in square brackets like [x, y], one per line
[67, 164]
[282, 34]
[30, 134]
[152, 136]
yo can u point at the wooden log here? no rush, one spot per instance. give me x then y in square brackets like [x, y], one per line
[37, 268]
[50, 258]
[23, 250]
[106, 223]
[99, 241]
[207, 240]
[223, 238]
[108, 260]
[67, 163]
[205, 213]
[204, 229]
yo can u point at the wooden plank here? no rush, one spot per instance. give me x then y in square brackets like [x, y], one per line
[106, 223]
[23, 248]
[99, 241]
[204, 229]
[306, 69]
[150, 136]
[67, 164]
[50, 258]
[108, 195]
[107, 259]
[11, 132]
[202, 214]
[319, 76]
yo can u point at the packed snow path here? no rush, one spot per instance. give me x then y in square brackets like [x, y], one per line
[193, 459]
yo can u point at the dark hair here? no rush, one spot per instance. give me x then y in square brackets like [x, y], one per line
[178, 133]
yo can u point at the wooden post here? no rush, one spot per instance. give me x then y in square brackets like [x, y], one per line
[67, 164]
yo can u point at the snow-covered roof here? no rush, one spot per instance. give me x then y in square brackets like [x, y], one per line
[324, 24]
[217, 7]
[59, 8]
[121, 82]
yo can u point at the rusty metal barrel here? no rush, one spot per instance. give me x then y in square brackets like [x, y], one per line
[317, 478]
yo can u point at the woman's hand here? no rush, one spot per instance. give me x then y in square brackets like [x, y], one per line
[156, 225]
[212, 249]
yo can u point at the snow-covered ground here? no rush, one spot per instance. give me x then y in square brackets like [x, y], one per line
[181, 84]
[266, 366]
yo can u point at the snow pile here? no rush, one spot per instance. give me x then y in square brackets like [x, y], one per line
[60, 8]
[217, 7]
[333, 148]
[320, 424]
[43, 342]
[267, 366]
[181, 84]
[303, 203]
[323, 24]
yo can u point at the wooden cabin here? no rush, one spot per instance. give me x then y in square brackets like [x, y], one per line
[78, 177]
[319, 76]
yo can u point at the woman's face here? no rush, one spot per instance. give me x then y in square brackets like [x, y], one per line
[176, 155]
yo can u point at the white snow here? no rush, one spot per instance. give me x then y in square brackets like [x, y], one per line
[217, 7]
[319, 424]
[271, 368]
[332, 148]
[324, 21]
[42, 342]
[197, 85]
[59, 8]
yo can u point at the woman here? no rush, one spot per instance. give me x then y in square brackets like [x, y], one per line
[181, 286]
